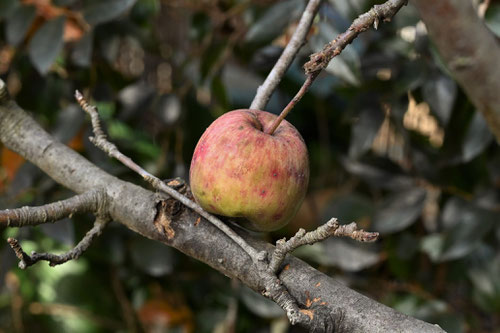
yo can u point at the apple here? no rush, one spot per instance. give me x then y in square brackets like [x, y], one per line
[238, 170]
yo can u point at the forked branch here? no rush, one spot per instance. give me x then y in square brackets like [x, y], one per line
[26, 260]
[330, 229]
[94, 201]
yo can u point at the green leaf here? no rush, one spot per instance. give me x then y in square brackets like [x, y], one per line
[348, 9]
[119, 130]
[46, 44]
[399, 211]
[210, 58]
[154, 258]
[477, 138]
[146, 147]
[7, 7]
[450, 322]
[219, 92]
[440, 92]
[98, 12]
[487, 284]
[18, 24]
[106, 109]
[347, 208]
[466, 225]
[364, 131]
[433, 246]
[82, 52]
[378, 176]
[272, 23]
[346, 254]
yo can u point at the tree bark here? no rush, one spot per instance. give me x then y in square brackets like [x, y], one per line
[136, 208]
[470, 51]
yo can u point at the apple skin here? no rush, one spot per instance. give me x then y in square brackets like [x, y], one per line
[238, 170]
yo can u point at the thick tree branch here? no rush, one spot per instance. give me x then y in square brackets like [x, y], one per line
[136, 208]
[267, 88]
[470, 51]
[90, 201]
[57, 259]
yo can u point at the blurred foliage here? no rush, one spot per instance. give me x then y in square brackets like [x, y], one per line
[394, 145]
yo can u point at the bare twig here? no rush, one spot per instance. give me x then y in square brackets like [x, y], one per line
[279, 294]
[90, 201]
[330, 228]
[267, 88]
[318, 61]
[102, 143]
[383, 12]
[54, 259]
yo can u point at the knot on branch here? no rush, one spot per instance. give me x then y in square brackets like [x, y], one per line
[166, 211]
[317, 62]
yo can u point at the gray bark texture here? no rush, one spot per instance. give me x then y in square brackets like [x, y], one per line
[470, 50]
[136, 208]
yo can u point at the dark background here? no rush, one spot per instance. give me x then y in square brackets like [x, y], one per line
[394, 145]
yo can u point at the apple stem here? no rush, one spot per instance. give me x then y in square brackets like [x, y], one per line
[307, 83]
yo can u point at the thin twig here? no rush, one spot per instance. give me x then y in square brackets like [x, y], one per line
[267, 88]
[90, 201]
[291, 104]
[102, 143]
[54, 259]
[319, 61]
[330, 228]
